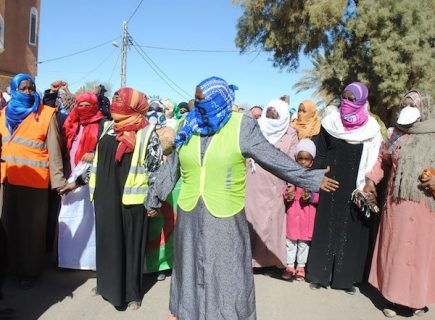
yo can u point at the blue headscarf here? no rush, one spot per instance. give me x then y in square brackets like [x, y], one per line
[20, 105]
[210, 114]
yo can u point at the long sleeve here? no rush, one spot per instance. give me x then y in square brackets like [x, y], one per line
[53, 142]
[321, 150]
[164, 182]
[254, 145]
[154, 157]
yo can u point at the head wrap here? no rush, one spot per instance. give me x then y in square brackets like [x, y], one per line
[416, 152]
[307, 124]
[129, 116]
[89, 118]
[306, 145]
[355, 114]
[170, 105]
[274, 129]
[177, 110]
[20, 105]
[156, 113]
[210, 114]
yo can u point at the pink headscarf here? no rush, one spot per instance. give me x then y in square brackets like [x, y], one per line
[354, 114]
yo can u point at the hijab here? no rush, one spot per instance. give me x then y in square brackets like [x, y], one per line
[209, 114]
[354, 114]
[274, 129]
[88, 117]
[416, 153]
[307, 124]
[129, 116]
[21, 104]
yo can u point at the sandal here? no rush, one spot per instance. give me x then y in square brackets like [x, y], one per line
[134, 305]
[389, 313]
[300, 274]
[172, 317]
[420, 312]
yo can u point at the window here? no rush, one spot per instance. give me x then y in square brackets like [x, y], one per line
[33, 24]
[2, 34]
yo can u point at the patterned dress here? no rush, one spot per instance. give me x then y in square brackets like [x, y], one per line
[212, 275]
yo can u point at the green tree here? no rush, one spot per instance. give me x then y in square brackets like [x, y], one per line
[387, 44]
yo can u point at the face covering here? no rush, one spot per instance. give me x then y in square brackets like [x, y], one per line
[408, 115]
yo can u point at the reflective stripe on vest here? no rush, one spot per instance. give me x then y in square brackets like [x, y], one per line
[25, 142]
[221, 178]
[26, 162]
[136, 184]
[24, 153]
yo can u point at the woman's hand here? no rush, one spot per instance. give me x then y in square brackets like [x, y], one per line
[306, 195]
[370, 187]
[291, 192]
[56, 85]
[67, 188]
[152, 213]
[88, 157]
[329, 184]
[427, 183]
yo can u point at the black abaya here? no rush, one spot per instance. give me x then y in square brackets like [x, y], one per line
[340, 241]
[121, 230]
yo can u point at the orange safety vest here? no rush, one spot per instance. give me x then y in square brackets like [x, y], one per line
[24, 154]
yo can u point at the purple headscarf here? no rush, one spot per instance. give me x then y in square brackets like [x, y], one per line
[354, 114]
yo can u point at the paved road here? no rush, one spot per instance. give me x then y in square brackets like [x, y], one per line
[65, 294]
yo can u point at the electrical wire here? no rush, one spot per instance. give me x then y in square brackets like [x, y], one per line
[94, 69]
[79, 52]
[158, 71]
[195, 50]
[114, 67]
[162, 78]
[135, 10]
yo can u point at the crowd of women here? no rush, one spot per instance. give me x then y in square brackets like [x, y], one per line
[215, 194]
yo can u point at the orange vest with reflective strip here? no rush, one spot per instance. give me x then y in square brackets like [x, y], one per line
[24, 154]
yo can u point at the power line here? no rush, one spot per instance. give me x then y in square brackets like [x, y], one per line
[160, 76]
[78, 52]
[135, 10]
[195, 50]
[114, 67]
[159, 72]
[95, 69]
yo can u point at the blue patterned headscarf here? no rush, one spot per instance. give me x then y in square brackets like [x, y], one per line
[156, 113]
[210, 114]
[20, 105]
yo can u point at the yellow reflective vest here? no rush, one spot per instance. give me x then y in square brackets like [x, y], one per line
[136, 185]
[221, 178]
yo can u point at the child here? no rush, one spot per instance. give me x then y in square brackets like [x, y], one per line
[300, 216]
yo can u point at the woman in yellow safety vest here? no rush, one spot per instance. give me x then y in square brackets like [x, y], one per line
[127, 154]
[212, 274]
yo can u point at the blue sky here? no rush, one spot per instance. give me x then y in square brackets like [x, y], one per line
[70, 26]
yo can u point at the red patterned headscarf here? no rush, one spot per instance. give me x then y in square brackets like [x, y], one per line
[129, 108]
[88, 117]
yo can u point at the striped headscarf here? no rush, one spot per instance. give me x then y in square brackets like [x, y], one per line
[210, 114]
[21, 104]
[128, 109]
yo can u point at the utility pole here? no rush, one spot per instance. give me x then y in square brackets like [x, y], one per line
[124, 54]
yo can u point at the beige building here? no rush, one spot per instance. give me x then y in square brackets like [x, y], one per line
[19, 26]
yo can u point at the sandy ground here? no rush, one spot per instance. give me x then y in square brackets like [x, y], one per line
[65, 294]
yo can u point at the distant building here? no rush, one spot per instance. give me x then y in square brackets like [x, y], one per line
[19, 33]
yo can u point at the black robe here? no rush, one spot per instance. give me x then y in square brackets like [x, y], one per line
[340, 241]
